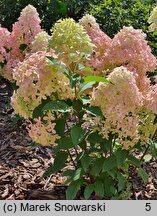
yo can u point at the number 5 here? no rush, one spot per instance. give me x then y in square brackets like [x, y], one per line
[148, 207]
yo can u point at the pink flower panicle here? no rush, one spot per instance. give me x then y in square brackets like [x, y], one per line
[99, 39]
[130, 49]
[26, 28]
[18, 42]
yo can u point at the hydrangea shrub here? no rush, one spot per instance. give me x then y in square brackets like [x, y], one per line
[86, 94]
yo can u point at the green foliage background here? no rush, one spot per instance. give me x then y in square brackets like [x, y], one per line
[112, 15]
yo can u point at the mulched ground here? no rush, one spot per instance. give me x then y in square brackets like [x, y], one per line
[22, 165]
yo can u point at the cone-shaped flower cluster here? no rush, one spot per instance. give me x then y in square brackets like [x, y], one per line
[18, 43]
[100, 39]
[120, 102]
[71, 41]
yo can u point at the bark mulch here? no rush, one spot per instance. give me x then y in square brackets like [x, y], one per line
[22, 165]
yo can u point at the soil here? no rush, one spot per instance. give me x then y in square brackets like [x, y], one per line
[22, 164]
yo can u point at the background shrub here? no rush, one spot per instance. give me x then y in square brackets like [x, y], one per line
[49, 10]
[112, 15]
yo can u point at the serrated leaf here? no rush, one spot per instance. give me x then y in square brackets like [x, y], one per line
[95, 79]
[73, 189]
[109, 163]
[77, 134]
[59, 106]
[88, 191]
[142, 173]
[59, 163]
[99, 188]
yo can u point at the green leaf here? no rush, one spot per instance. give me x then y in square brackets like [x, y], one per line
[38, 111]
[112, 173]
[95, 79]
[85, 100]
[109, 186]
[107, 143]
[65, 143]
[155, 120]
[121, 180]
[133, 160]
[78, 174]
[72, 190]
[82, 67]
[52, 60]
[142, 173]
[60, 126]
[59, 163]
[85, 86]
[95, 138]
[110, 163]
[97, 166]
[15, 119]
[94, 110]
[85, 162]
[69, 173]
[77, 105]
[74, 79]
[153, 148]
[59, 106]
[99, 188]
[68, 73]
[77, 134]
[88, 191]
[23, 47]
[121, 156]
